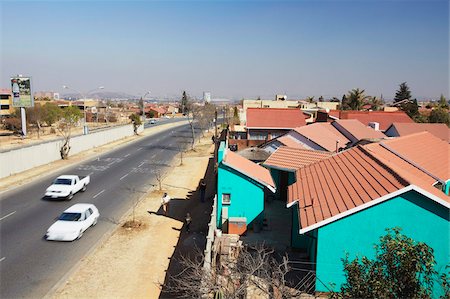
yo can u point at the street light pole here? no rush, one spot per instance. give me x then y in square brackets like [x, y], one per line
[85, 127]
[143, 105]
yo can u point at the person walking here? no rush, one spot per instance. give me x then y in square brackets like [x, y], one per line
[165, 203]
[187, 222]
[202, 190]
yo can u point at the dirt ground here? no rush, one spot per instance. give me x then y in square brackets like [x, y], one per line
[132, 262]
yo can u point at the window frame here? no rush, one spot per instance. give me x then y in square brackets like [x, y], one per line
[223, 199]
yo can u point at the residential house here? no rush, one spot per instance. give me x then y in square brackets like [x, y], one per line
[155, 111]
[267, 123]
[241, 188]
[6, 108]
[441, 131]
[378, 120]
[345, 203]
[317, 136]
[286, 161]
[355, 131]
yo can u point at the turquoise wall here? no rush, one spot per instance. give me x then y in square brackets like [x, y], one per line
[419, 217]
[247, 195]
[306, 242]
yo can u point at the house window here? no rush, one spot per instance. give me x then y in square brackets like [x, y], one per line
[226, 198]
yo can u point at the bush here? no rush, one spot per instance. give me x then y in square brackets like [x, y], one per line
[402, 268]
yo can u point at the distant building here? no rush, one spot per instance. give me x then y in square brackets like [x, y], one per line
[206, 97]
[47, 94]
[6, 108]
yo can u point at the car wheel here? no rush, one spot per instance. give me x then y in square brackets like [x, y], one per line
[95, 222]
[80, 234]
[70, 196]
[84, 188]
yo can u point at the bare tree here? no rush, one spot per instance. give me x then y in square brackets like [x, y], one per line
[255, 269]
[70, 118]
[159, 178]
[136, 195]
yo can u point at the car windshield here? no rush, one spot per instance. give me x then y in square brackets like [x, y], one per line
[70, 216]
[62, 182]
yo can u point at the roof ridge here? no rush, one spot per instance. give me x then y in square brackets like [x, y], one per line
[400, 178]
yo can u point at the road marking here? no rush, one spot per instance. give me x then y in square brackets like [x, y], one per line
[12, 213]
[139, 148]
[127, 155]
[141, 164]
[123, 177]
[2, 259]
[91, 173]
[98, 193]
[153, 156]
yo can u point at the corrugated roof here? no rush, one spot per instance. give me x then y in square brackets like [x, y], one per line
[358, 129]
[384, 118]
[324, 135]
[340, 183]
[248, 168]
[271, 118]
[441, 131]
[294, 158]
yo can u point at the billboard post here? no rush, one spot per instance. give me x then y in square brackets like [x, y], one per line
[22, 97]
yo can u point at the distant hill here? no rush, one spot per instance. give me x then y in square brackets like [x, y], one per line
[104, 95]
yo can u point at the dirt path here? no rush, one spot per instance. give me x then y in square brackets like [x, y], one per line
[132, 262]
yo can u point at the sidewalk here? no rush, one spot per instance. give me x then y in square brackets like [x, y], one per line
[132, 262]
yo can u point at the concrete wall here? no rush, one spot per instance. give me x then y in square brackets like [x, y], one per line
[24, 158]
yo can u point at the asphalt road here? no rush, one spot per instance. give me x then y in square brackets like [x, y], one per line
[29, 265]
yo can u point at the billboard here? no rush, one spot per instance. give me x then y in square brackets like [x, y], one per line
[21, 90]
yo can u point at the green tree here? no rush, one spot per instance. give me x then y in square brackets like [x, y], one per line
[403, 93]
[52, 113]
[411, 108]
[70, 118]
[376, 103]
[136, 121]
[443, 102]
[440, 115]
[402, 268]
[354, 100]
[184, 103]
[310, 99]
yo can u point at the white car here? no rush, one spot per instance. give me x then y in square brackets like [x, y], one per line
[73, 222]
[65, 186]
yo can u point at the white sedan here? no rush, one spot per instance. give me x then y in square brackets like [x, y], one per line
[73, 222]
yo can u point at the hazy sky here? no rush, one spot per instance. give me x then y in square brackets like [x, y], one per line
[233, 49]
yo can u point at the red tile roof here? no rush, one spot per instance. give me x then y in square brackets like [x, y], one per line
[5, 91]
[290, 141]
[248, 168]
[441, 131]
[365, 175]
[424, 150]
[324, 135]
[358, 130]
[340, 183]
[384, 118]
[274, 118]
[291, 159]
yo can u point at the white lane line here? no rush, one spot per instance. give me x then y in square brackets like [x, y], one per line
[12, 213]
[123, 177]
[91, 173]
[126, 155]
[139, 148]
[2, 259]
[141, 164]
[153, 156]
[98, 193]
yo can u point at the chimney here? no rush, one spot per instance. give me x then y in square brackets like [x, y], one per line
[374, 125]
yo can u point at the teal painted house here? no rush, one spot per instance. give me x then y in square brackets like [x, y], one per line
[344, 203]
[241, 189]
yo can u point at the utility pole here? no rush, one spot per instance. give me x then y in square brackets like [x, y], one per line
[215, 124]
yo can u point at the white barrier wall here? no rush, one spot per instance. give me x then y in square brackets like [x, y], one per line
[24, 158]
